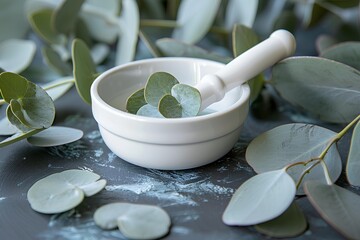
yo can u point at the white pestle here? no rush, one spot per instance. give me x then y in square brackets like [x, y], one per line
[212, 87]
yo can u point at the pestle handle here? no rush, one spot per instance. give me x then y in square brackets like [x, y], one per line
[279, 45]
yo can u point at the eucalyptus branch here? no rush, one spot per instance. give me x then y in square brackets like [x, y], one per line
[307, 171]
[59, 84]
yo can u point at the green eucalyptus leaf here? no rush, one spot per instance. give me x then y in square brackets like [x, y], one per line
[173, 48]
[286, 20]
[13, 23]
[151, 46]
[158, 85]
[99, 52]
[343, 4]
[59, 87]
[82, 32]
[18, 137]
[129, 23]
[53, 60]
[293, 143]
[65, 15]
[245, 38]
[195, 20]
[338, 206]
[110, 7]
[135, 101]
[169, 107]
[60, 192]
[15, 122]
[353, 161]
[16, 55]
[313, 13]
[55, 136]
[323, 42]
[189, 99]
[135, 221]
[250, 203]
[84, 69]
[29, 102]
[32, 6]
[240, 12]
[41, 24]
[347, 53]
[291, 223]
[6, 127]
[327, 89]
[149, 111]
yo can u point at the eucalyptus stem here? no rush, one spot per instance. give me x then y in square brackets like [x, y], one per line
[59, 84]
[306, 171]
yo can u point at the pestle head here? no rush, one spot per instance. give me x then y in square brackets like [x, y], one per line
[287, 39]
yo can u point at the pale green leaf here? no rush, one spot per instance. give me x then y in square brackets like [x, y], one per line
[326, 89]
[338, 206]
[65, 15]
[55, 136]
[289, 224]
[53, 60]
[129, 23]
[84, 69]
[18, 137]
[250, 203]
[59, 87]
[29, 102]
[15, 122]
[16, 55]
[158, 85]
[60, 192]
[243, 39]
[32, 6]
[353, 161]
[151, 46]
[323, 42]
[240, 12]
[195, 19]
[347, 53]
[189, 98]
[173, 48]
[135, 101]
[292, 143]
[13, 23]
[149, 111]
[169, 107]
[99, 52]
[41, 24]
[6, 128]
[110, 7]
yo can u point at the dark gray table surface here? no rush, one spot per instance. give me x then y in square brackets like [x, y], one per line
[195, 199]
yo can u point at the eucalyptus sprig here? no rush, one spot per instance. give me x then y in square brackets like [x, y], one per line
[289, 160]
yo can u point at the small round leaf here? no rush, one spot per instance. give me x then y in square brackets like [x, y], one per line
[189, 99]
[149, 111]
[7, 128]
[55, 136]
[169, 107]
[135, 101]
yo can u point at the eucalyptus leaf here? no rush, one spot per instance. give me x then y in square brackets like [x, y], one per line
[135, 101]
[158, 85]
[151, 46]
[65, 15]
[18, 137]
[129, 23]
[53, 60]
[353, 161]
[312, 13]
[347, 53]
[55, 136]
[59, 87]
[135, 221]
[250, 203]
[174, 48]
[293, 143]
[32, 6]
[16, 55]
[149, 111]
[29, 102]
[323, 42]
[110, 7]
[60, 192]
[13, 23]
[286, 20]
[41, 24]
[327, 89]
[195, 20]
[14, 120]
[338, 206]
[289, 224]
[7, 128]
[169, 107]
[84, 69]
[243, 39]
[189, 99]
[241, 12]
[99, 52]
